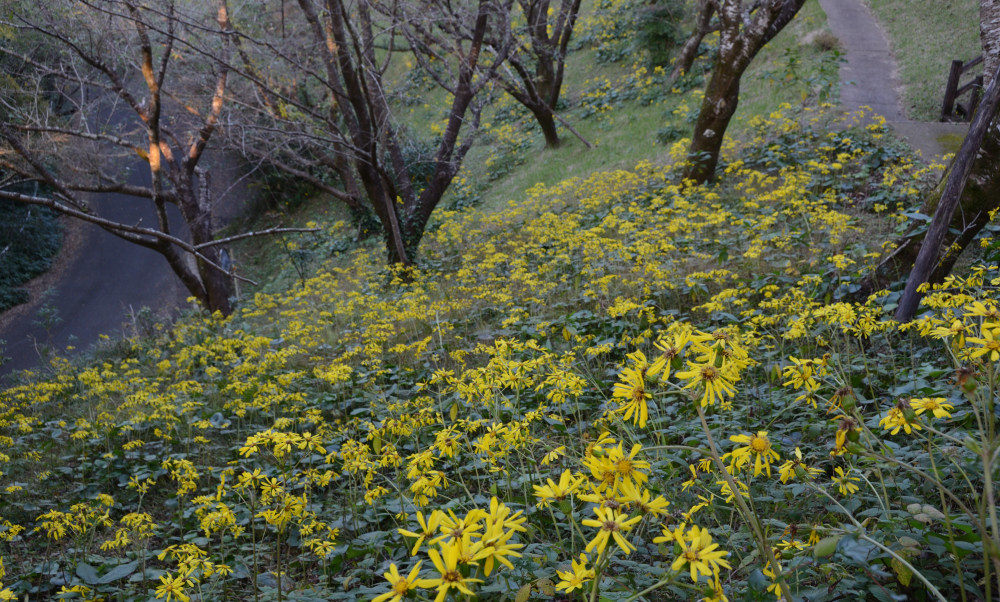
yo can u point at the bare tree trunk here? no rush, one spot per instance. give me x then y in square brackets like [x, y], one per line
[547, 123]
[538, 89]
[989, 36]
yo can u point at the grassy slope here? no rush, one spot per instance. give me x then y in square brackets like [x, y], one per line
[627, 136]
[534, 252]
[622, 137]
[926, 35]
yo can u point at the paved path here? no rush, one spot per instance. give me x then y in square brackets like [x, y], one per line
[99, 281]
[869, 77]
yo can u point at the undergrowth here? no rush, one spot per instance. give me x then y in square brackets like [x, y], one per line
[620, 387]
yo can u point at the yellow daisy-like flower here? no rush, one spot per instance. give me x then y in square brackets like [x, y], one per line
[552, 491]
[935, 405]
[699, 553]
[756, 447]
[988, 344]
[896, 419]
[611, 524]
[428, 528]
[446, 563]
[716, 384]
[796, 467]
[801, 374]
[399, 585]
[576, 578]
[172, 588]
[632, 389]
[635, 495]
[844, 481]
[626, 467]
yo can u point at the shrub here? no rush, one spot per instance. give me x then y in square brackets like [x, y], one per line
[658, 29]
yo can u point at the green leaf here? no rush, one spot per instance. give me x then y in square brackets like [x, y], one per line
[87, 573]
[826, 546]
[857, 550]
[119, 572]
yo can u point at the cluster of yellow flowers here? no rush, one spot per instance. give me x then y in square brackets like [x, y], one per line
[552, 344]
[466, 545]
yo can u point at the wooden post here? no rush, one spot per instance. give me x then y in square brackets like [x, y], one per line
[977, 95]
[951, 90]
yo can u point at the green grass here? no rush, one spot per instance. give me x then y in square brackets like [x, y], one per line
[793, 67]
[628, 135]
[926, 35]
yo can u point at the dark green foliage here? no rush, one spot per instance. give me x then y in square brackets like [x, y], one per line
[30, 237]
[418, 157]
[279, 191]
[658, 29]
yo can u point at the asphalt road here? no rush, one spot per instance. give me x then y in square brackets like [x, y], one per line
[99, 282]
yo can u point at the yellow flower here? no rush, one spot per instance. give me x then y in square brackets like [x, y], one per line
[716, 385]
[611, 524]
[427, 529]
[400, 585]
[446, 563]
[934, 405]
[896, 419]
[632, 494]
[495, 546]
[844, 481]
[456, 528]
[554, 455]
[552, 491]
[632, 389]
[628, 468]
[989, 344]
[699, 553]
[800, 375]
[796, 467]
[576, 578]
[757, 447]
[172, 588]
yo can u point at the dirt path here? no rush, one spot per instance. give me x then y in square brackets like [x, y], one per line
[869, 77]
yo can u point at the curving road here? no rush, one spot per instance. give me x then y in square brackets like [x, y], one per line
[99, 281]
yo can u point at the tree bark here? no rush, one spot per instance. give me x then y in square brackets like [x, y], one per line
[539, 89]
[689, 51]
[722, 96]
[743, 31]
[547, 123]
[989, 36]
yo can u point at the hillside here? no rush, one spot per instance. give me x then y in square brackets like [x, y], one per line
[598, 382]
